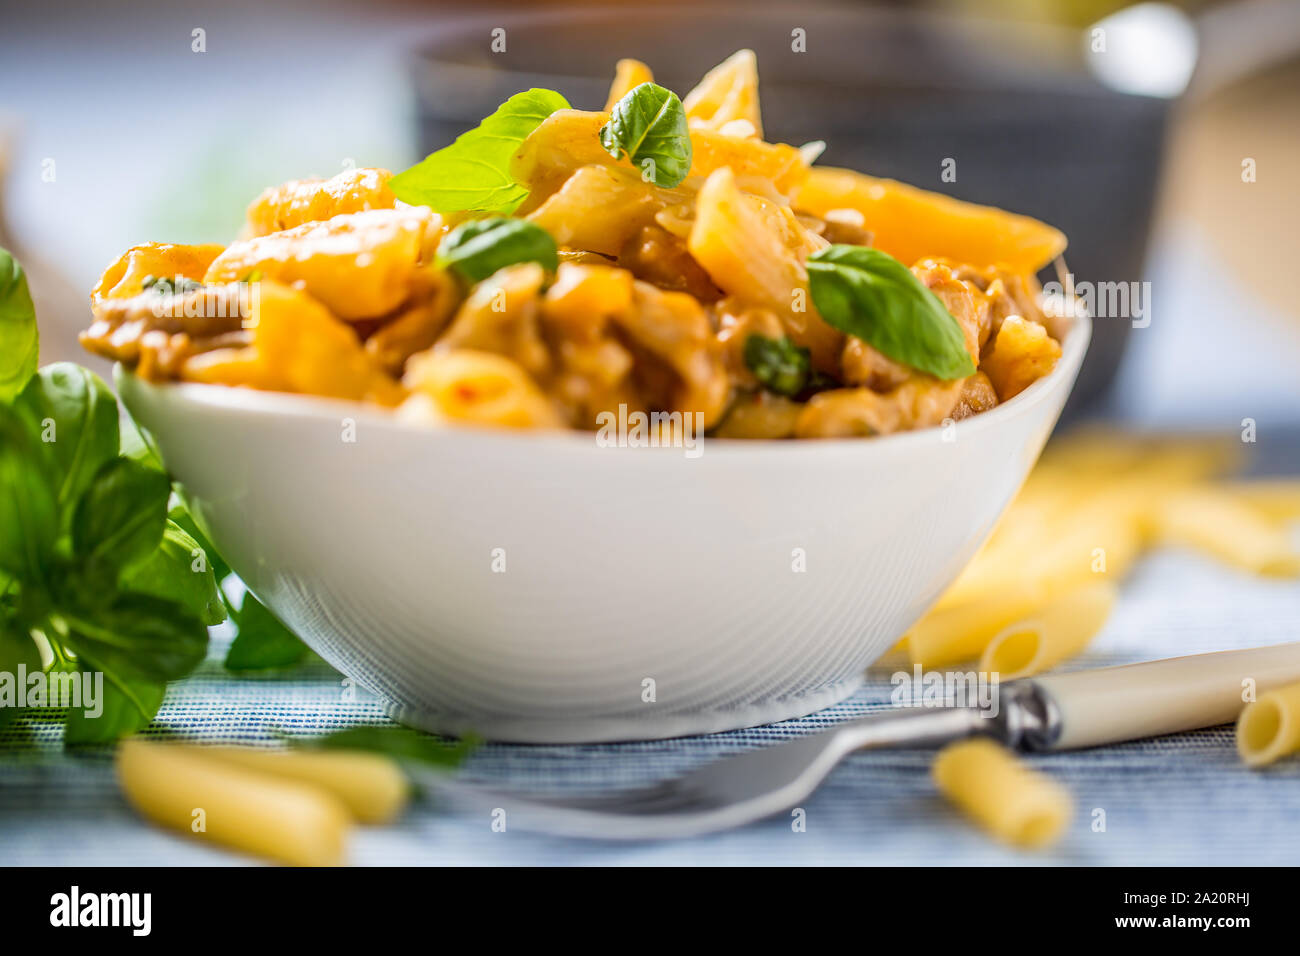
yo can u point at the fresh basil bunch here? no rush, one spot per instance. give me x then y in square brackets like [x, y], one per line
[101, 571]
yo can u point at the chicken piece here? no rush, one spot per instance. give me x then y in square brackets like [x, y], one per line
[125, 278]
[736, 323]
[963, 300]
[359, 265]
[301, 201]
[674, 329]
[1009, 293]
[656, 256]
[920, 402]
[977, 395]
[155, 331]
[864, 365]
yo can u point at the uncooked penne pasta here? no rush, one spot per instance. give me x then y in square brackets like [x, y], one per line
[270, 816]
[959, 632]
[1011, 801]
[1060, 630]
[373, 788]
[1216, 522]
[1269, 728]
[1276, 498]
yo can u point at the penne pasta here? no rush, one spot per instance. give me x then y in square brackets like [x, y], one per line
[1269, 728]
[911, 223]
[368, 273]
[479, 388]
[285, 820]
[372, 787]
[1221, 525]
[1017, 805]
[726, 94]
[1060, 629]
[628, 74]
[1278, 499]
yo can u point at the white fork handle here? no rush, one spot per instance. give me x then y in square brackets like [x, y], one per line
[1163, 697]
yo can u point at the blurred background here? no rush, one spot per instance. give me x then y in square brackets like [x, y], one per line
[1163, 138]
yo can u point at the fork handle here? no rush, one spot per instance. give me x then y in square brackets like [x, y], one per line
[1109, 704]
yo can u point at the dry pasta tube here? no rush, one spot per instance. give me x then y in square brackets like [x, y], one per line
[373, 788]
[1001, 794]
[1061, 630]
[1269, 729]
[1215, 522]
[1276, 498]
[949, 634]
[282, 819]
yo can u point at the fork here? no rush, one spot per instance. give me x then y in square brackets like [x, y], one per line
[1058, 712]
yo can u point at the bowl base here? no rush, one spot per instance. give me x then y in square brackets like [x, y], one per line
[594, 730]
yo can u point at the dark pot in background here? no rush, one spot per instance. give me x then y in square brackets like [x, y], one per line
[892, 92]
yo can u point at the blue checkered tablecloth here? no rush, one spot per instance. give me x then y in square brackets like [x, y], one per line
[1183, 799]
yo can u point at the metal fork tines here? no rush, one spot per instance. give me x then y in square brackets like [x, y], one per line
[728, 792]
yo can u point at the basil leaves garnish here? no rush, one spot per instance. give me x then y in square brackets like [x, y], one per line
[648, 125]
[871, 295]
[475, 250]
[473, 173]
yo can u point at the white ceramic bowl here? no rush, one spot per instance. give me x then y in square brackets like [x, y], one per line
[644, 594]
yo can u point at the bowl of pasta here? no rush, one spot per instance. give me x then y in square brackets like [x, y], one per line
[599, 425]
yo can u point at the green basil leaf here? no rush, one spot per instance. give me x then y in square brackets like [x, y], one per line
[393, 741]
[75, 414]
[127, 706]
[179, 571]
[19, 339]
[29, 515]
[870, 295]
[120, 517]
[137, 637]
[263, 642]
[648, 125]
[473, 173]
[16, 647]
[779, 364]
[476, 249]
[138, 445]
[180, 515]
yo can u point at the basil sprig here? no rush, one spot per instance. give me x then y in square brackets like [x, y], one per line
[473, 173]
[868, 294]
[97, 566]
[779, 364]
[476, 249]
[648, 125]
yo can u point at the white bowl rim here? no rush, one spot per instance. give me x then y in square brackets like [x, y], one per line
[321, 409]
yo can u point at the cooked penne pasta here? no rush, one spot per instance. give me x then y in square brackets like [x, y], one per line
[1269, 728]
[1058, 631]
[477, 387]
[628, 74]
[1001, 794]
[711, 230]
